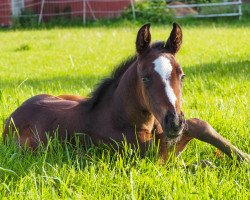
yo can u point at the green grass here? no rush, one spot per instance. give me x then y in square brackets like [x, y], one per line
[216, 60]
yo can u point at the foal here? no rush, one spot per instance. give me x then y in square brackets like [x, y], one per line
[139, 102]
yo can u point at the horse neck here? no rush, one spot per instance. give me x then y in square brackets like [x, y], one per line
[128, 104]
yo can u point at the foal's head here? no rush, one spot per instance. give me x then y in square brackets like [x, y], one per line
[160, 79]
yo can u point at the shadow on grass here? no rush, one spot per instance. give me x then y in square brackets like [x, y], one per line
[65, 82]
[121, 23]
[236, 70]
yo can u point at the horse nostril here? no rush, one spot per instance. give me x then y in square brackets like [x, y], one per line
[173, 123]
[171, 119]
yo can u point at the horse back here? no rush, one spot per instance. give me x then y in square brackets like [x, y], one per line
[43, 114]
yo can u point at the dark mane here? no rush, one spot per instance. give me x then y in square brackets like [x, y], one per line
[103, 86]
[114, 79]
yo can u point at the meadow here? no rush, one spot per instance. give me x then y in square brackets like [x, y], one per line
[216, 61]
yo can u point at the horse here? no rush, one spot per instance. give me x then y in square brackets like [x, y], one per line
[140, 102]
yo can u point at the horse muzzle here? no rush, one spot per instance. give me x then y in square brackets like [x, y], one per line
[173, 124]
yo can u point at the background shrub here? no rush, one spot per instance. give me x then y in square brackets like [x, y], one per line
[153, 11]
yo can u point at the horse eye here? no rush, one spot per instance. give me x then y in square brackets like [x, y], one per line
[182, 77]
[145, 79]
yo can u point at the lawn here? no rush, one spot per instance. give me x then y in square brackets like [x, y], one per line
[216, 61]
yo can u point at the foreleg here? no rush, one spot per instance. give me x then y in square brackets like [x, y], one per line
[201, 130]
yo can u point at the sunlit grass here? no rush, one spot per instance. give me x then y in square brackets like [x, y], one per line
[216, 61]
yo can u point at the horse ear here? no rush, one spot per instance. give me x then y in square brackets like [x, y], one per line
[143, 38]
[174, 41]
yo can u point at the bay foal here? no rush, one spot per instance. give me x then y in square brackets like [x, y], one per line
[140, 101]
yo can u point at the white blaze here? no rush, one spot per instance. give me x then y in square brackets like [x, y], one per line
[164, 68]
